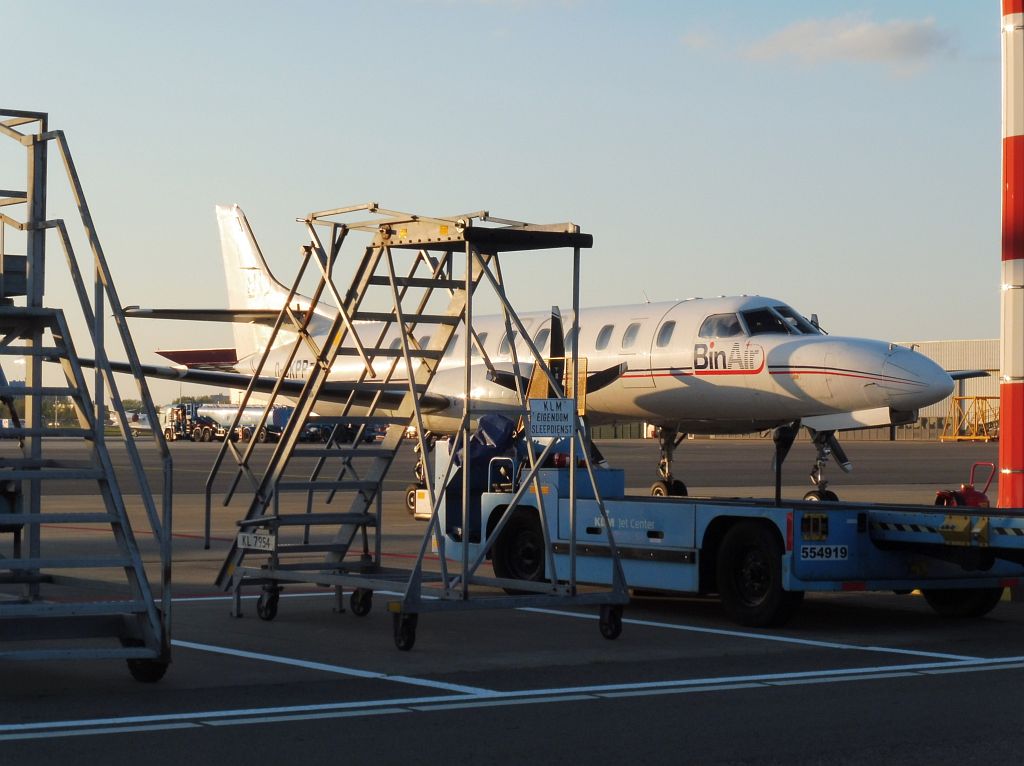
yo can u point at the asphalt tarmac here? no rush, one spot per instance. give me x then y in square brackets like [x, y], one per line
[853, 678]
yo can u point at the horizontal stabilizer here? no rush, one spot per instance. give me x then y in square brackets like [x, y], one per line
[339, 391]
[203, 358]
[244, 316]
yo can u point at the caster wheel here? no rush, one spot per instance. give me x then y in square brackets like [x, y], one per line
[266, 606]
[611, 621]
[147, 671]
[405, 631]
[361, 601]
[144, 671]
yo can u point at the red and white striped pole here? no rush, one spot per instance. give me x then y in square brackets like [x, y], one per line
[1011, 361]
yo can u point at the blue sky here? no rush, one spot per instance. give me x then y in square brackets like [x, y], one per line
[841, 156]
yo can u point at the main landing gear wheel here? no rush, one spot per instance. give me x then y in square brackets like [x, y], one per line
[674, 488]
[405, 630]
[963, 602]
[410, 498]
[749, 573]
[361, 601]
[519, 553]
[827, 496]
[610, 622]
[266, 606]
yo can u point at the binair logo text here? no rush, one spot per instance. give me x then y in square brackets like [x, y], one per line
[727, 359]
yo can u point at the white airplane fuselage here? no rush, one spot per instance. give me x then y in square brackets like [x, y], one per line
[683, 374]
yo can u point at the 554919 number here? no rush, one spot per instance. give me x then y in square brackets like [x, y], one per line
[824, 552]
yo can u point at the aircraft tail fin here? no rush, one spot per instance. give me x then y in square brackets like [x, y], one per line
[250, 282]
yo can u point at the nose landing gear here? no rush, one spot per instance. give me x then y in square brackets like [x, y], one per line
[668, 439]
[828, 447]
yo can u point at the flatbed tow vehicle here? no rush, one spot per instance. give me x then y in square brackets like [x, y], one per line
[759, 556]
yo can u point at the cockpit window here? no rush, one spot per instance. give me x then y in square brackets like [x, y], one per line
[797, 321]
[721, 326]
[542, 339]
[482, 337]
[765, 322]
[603, 337]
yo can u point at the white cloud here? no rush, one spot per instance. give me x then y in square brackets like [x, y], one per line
[905, 46]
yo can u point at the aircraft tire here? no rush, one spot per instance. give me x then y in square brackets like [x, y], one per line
[825, 496]
[963, 603]
[749, 575]
[678, 488]
[660, 489]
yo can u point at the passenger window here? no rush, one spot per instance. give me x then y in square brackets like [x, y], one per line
[665, 334]
[569, 338]
[506, 343]
[765, 322]
[453, 346]
[395, 344]
[542, 339]
[629, 336]
[604, 336]
[482, 337]
[424, 341]
[721, 326]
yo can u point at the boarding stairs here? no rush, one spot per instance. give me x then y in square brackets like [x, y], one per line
[73, 582]
[400, 294]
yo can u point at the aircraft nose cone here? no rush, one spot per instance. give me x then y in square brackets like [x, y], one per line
[913, 380]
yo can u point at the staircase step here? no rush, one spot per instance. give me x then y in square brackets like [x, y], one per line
[310, 519]
[70, 609]
[327, 486]
[439, 283]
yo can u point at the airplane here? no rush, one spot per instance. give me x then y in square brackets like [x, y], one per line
[725, 365]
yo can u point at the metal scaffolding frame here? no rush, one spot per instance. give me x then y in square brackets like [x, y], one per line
[428, 269]
[48, 617]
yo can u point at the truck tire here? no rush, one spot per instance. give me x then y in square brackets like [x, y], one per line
[261, 437]
[207, 434]
[749, 574]
[168, 435]
[963, 603]
[197, 434]
[519, 553]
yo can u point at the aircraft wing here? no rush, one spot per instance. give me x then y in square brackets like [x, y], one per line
[339, 391]
[965, 374]
[851, 421]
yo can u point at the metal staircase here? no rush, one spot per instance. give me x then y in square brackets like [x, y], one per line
[391, 371]
[60, 597]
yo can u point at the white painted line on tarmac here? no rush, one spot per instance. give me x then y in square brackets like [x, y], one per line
[94, 732]
[220, 718]
[534, 700]
[309, 716]
[325, 668]
[758, 636]
[675, 626]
